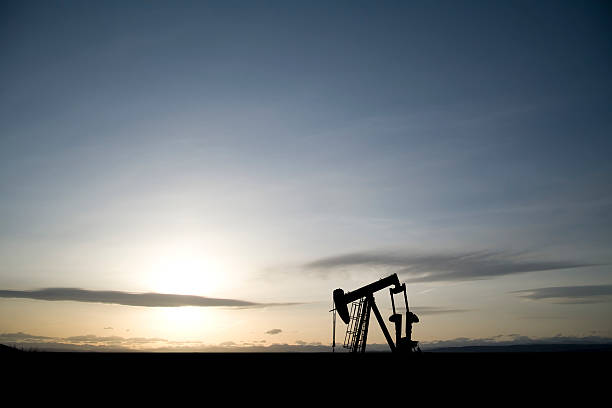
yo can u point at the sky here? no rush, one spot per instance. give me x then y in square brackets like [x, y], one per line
[183, 175]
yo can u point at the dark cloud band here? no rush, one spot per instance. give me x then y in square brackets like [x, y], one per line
[440, 266]
[129, 299]
[570, 294]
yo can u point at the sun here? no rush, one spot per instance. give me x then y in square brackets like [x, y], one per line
[184, 271]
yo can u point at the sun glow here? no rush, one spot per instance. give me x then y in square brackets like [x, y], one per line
[184, 271]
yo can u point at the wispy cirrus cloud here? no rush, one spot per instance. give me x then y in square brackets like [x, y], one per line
[434, 267]
[569, 294]
[433, 310]
[130, 299]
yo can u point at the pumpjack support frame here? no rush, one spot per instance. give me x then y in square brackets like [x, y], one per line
[356, 337]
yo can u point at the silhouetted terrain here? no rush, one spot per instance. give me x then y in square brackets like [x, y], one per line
[319, 349]
[8, 349]
[455, 375]
[527, 348]
[472, 357]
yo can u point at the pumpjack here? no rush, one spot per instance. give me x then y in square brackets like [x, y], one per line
[362, 303]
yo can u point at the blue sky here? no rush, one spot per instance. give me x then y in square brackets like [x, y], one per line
[245, 142]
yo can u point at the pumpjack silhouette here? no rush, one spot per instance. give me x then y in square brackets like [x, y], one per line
[362, 303]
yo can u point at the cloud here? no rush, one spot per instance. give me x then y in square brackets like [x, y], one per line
[570, 294]
[130, 299]
[515, 340]
[432, 310]
[88, 342]
[92, 342]
[21, 337]
[439, 266]
[274, 331]
[305, 343]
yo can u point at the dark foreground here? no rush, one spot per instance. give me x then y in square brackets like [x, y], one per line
[553, 375]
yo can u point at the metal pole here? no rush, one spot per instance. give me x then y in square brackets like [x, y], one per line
[365, 329]
[381, 322]
[334, 329]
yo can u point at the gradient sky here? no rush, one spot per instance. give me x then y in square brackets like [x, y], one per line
[267, 153]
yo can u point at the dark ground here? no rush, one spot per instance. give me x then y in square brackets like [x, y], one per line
[481, 378]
